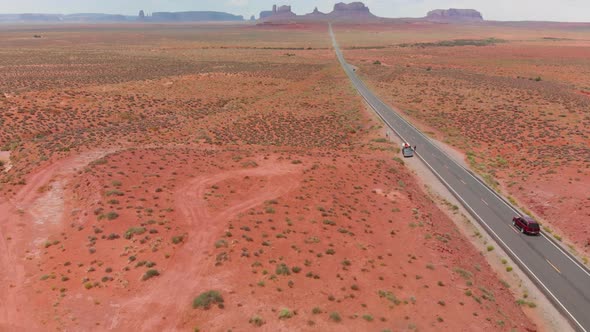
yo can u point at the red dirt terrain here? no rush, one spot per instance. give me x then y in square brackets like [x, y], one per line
[253, 176]
[516, 105]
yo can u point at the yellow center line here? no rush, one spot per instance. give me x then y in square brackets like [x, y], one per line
[553, 266]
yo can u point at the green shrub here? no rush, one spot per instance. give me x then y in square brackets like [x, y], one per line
[134, 231]
[388, 295]
[335, 316]
[463, 273]
[206, 299]
[221, 243]
[257, 321]
[285, 313]
[329, 222]
[150, 274]
[282, 269]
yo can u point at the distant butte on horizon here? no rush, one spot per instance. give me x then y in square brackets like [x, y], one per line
[354, 11]
[349, 12]
[359, 12]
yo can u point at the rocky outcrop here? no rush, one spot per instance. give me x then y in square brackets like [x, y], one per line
[268, 13]
[454, 14]
[277, 14]
[194, 16]
[354, 11]
[316, 15]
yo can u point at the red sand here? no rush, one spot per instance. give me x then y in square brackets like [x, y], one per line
[214, 167]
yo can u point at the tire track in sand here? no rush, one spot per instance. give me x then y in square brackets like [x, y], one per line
[170, 295]
[25, 219]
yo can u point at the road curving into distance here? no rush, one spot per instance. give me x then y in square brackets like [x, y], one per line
[556, 272]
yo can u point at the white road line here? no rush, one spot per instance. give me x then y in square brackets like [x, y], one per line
[473, 211]
[568, 256]
[462, 181]
[508, 248]
[503, 201]
[495, 194]
[486, 203]
[553, 266]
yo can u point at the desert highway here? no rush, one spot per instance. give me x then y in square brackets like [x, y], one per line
[563, 280]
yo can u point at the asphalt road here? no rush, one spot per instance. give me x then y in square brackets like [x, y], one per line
[563, 280]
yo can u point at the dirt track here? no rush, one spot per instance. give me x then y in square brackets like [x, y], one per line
[25, 222]
[186, 272]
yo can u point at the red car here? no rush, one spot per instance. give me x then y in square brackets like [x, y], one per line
[526, 225]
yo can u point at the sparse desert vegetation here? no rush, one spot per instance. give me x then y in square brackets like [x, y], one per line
[175, 169]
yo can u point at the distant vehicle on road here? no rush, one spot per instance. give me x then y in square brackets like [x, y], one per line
[407, 150]
[526, 225]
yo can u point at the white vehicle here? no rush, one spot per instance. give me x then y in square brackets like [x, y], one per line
[407, 150]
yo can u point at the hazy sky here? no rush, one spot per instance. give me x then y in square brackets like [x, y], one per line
[553, 10]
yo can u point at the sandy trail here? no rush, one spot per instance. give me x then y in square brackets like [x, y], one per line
[5, 158]
[158, 308]
[25, 220]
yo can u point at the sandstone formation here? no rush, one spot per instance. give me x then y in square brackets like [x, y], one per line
[316, 15]
[454, 14]
[278, 13]
[354, 11]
